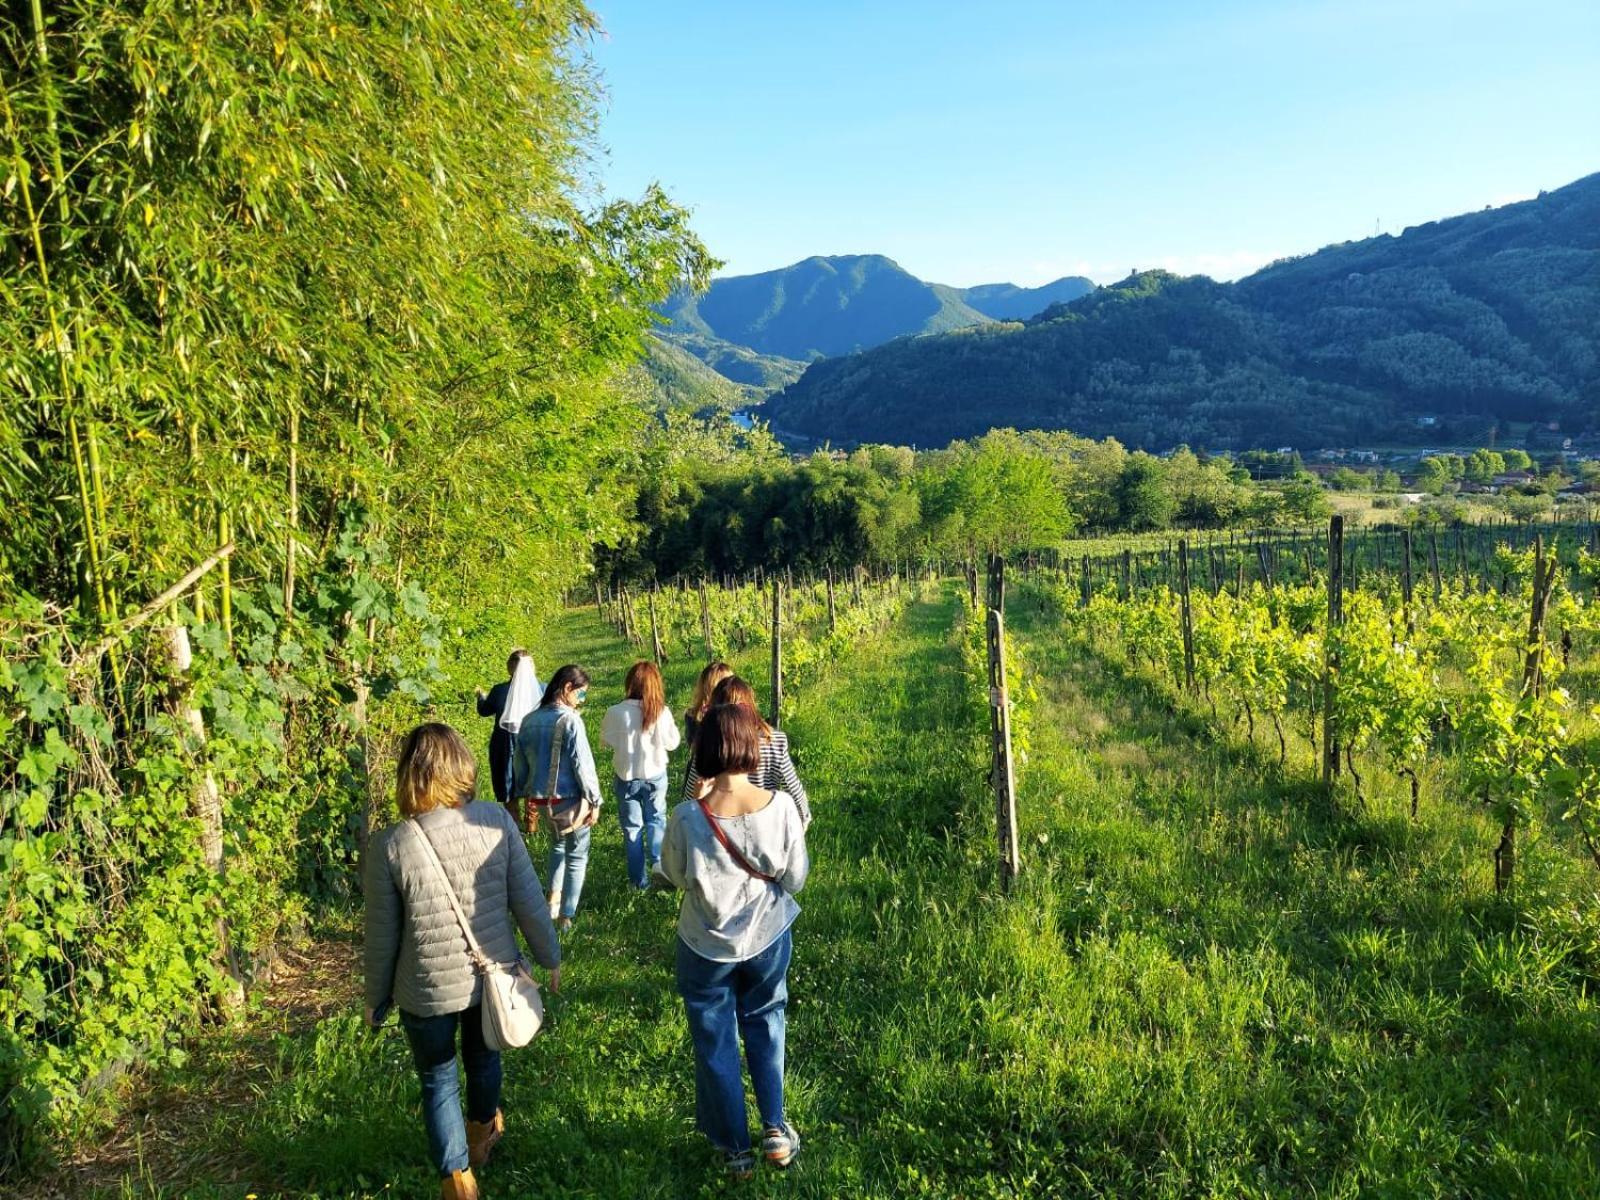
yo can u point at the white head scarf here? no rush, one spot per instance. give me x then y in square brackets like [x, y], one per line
[522, 697]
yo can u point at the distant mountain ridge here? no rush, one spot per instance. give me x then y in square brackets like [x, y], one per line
[1487, 319]
[828, 306]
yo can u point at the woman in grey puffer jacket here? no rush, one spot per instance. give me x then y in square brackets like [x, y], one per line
[416, 954]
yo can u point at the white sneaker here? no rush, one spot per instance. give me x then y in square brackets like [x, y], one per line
[555, 905]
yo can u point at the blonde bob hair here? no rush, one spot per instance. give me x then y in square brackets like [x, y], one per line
[436, 768]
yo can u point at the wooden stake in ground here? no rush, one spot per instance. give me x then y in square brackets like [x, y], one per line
[1544, 576]
[1002, 771]
[705, 620]
[997, 583]
[833, 616]
[1330, 738]
[656, 648]
[777, 654]
[1186, 613]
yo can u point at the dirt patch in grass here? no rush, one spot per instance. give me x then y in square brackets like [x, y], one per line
[157, 1139]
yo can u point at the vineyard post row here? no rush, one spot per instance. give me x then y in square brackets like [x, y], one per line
[1464, 552]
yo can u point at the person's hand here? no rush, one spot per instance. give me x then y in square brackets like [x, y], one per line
[479, 693]
[555, 981]
[594, 815]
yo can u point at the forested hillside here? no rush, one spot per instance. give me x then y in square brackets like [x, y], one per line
[1476, 321]
[828, 306]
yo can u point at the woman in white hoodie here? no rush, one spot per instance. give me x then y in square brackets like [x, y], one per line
[641, 733]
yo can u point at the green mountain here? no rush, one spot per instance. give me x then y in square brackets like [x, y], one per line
[670, 377]
[1008, 302]
[758, 375]
[819, 307]
[1454, 327]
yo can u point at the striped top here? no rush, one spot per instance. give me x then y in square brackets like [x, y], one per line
[775, 774]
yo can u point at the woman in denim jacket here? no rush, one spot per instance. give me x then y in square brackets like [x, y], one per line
[553, 774]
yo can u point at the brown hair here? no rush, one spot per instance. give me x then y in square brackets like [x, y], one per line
[436, 768]
[571, 675]
[714, 674]
[516, 656]
[728, 741]
[644, 685]
[734, 690]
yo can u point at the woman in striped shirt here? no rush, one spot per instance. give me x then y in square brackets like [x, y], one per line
[776, 772]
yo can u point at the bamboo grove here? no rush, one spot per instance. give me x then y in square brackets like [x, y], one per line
[308, 337]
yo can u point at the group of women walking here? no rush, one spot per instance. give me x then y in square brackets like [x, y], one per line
[735, 847]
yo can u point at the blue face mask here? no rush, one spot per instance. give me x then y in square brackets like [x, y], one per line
[581, 695]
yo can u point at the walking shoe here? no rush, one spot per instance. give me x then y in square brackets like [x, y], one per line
[482, 1137]
[779, 1145]
[739, 1164]
[458, 1185]
[563, 924]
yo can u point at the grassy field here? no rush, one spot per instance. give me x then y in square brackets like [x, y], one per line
[1210, 981]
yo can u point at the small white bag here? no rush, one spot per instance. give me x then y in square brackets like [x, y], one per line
[513, 1010]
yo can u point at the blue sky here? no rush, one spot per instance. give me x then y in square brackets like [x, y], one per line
[1023, 141]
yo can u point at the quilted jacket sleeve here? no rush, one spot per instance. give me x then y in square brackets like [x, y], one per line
[385, 916]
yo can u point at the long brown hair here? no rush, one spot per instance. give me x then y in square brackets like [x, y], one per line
[714, 674]
[436, 768]
[644, 685]
[734, 690]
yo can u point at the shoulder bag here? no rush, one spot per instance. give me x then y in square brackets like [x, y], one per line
[513, 1011]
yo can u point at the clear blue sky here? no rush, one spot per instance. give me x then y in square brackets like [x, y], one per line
[1023, 141]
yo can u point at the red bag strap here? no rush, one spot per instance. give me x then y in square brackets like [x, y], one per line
[727, 845]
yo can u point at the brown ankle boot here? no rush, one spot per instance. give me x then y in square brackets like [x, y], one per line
[482, 1136]
[458, 1185]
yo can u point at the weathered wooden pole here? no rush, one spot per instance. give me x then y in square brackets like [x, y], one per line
[776, 719]
[833, 616]
[705, 621]
[1002, 771]
[656, 648]
[1330, 732]
[1187, 614]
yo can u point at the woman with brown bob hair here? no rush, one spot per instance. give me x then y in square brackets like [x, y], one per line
[417, 958]
[700, 699]
[641, 733]
[738, 854]
[775, 771]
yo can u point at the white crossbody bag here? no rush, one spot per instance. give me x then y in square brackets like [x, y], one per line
[513, 1011]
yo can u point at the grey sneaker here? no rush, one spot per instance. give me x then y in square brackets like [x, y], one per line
[779, 1145]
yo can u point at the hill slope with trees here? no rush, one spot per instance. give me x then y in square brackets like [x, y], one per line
[836, 305]
[1449, 330]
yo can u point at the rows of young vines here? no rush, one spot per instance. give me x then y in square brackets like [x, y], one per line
[1482, 691]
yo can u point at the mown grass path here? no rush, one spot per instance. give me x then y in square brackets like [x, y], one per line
[602, 1104]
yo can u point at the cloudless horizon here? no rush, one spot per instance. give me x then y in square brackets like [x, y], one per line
[1043, 139]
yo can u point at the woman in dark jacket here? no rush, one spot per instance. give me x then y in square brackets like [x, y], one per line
[508, 703]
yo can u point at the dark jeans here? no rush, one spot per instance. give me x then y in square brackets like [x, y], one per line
[726, 1003]
[499, 762]
[433, 1049]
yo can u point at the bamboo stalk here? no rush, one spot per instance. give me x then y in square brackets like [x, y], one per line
[294, 515]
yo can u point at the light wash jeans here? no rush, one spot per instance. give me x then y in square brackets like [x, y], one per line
[642, 811]
[433, 1049]
[727, 1003]
[569, 863]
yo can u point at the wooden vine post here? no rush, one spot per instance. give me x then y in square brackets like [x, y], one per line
[1544, 577]
[657, 650]
[777, 653]
[1002, 769]
[833, 616]
[1405, 572]
[1330, 732]
[1186, 613]
[705, 620]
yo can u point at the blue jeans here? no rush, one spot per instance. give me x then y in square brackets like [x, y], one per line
[726, 1003]
[642, 810]
[569, 863]
[433, 1049]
